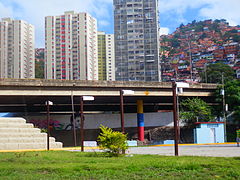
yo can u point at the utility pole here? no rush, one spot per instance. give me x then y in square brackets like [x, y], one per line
[122, 111]
[224, 110]
[82, 99]
[175, 117]
[122, 114]
[48, 126]
[48, 103]
[73, 121]
[82, 124]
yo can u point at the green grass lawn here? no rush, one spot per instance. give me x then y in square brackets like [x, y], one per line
[77, 165]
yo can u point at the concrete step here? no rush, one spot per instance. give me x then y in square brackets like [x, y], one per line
[22, 135]
[26, 140]
[57, 145]
[19, 130]
[17, 125]
[16, 134]
[12, 120]
[22, 146]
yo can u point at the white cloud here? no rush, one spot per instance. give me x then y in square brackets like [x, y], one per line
[103, 23]
[173, 11]
[5, 11]
[34, 11]
[178, 6]
[164, 31]
[208, 9]
[228, 10]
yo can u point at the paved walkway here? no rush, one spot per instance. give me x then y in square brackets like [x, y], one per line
[225, 150]
[215, 150]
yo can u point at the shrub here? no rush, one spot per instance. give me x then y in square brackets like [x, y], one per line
[114, 142]
[195, 110]
[43, 130]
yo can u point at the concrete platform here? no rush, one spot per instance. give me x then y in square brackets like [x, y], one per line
[214, 150]
[16, 134]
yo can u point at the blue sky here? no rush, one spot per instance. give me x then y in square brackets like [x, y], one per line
[172, 12]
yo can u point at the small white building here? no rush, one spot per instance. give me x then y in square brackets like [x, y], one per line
[209, 132]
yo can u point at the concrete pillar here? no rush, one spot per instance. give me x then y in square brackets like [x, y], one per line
[140, 119]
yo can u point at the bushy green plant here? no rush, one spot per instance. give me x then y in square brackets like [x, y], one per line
[43, 130]
[114, 142]
[195, 110]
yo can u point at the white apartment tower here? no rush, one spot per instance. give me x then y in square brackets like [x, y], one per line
[17, 56]
[110, 57]
[71, 47]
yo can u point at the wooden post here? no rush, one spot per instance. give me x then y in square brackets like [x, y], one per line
[74, 121]
[175, 117]
[82, 124]
[48, 127]
[122, 111]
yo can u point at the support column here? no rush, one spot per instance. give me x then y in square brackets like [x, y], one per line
[48, 126]
[122, 112]
[175, 117]
[140, 119]
[82, 124]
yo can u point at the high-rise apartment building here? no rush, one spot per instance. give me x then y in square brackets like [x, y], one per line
[110, 57]
[106, 57]
[102, 69]
[71, 47]
[17, 56]
[136, 30]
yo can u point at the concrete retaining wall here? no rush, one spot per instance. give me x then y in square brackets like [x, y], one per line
[93, 121]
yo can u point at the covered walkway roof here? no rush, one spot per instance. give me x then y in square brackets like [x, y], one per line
[29, 95]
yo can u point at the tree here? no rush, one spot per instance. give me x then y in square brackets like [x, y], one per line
[236, 38]
[181, 26]
[217, 21]
[214, 27]
[194, 22]
[232, 89]
[195, 110]
[175, 43]
[233, 31]
[176, 36]
[204, 35]
[39, 69]
[199, 27]
[214, 72]
[232, 98]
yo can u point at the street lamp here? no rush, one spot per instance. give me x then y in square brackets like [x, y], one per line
[48, 104]
[176, 85]
[82, 99]
[123, 92]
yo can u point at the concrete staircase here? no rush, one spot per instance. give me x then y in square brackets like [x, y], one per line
[16, 134]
